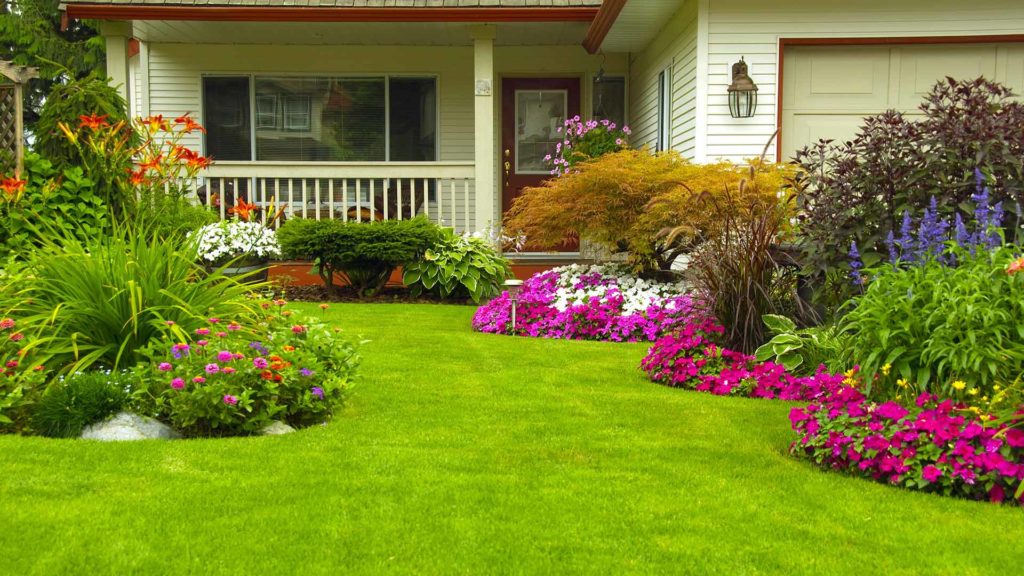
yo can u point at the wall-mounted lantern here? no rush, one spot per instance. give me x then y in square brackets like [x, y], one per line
[742, 92]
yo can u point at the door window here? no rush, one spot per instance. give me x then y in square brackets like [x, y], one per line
[539, 115]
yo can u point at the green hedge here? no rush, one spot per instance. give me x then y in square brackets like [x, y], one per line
[364, 253]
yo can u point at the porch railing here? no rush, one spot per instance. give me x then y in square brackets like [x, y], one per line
[441, 191]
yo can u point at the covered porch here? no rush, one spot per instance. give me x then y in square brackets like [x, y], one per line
[365, 115]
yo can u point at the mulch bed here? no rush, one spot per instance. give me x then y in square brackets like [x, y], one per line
[390, 295]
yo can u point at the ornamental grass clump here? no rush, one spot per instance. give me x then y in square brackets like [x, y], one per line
[230, 378]
[589, 303]
[933, 445]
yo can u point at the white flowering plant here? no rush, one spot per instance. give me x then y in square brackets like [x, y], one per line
[222, 241]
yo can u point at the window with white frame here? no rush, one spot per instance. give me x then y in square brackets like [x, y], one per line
[664, 109]
[321, 118]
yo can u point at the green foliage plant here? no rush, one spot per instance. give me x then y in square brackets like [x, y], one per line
[99, 301]
[458, 266]
[363, 253]
[23, 374]
[71, 403]
[802, 350]
[50, 203]
[956, 332]
[64, 106]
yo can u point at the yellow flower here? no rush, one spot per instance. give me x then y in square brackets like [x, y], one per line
[850, 373]
[973, 391]
[959, 385]
[975, 409]
[996, 387]
[886, 368]
[902, 383]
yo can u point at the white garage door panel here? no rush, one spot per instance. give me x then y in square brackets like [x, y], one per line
[920, 67]
[810, 128]
[829, 89]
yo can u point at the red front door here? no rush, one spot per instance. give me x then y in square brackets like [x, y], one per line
[532, 110]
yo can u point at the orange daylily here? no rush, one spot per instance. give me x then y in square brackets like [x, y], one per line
[243, 210]
[13, 186]
[199, 162]
[93, 121]
[188, 124]
[1015, 267]
[138, 178]
[154, 123]
[151, 163]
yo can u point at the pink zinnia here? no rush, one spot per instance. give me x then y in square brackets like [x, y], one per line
[17, 337]
[259, 363]
[165, 367]
[199, 379]
[177, 383]
[221, 334]
[225, 356]
[298, 329]
[202, 331]
[214, 320]
[6, 324]
[230, 400]
[212, 368]
[202, 342]
[228, 370]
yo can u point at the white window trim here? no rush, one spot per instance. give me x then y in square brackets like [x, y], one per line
[664, 110]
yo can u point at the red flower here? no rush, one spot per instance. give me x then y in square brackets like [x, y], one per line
[189, 124]
[93, 122]
[243, 209]
[154, 123]
[13, 186]
[151, 163]
[138, 178]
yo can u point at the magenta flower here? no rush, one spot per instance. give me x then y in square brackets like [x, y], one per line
[228, 370]
[202, 331]
[222, 334]
[169, 322]
[165, 367]
[230, 400]
[931, 473]
[202, 342]
[225, 356]
[199, 379]
[298, 329]
[259, 363]
[212, 368]
[178, 383]
[214, 320]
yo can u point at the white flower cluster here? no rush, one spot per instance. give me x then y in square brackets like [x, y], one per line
[637, 294]
[228, 239]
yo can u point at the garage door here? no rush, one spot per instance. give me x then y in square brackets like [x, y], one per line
[829, 89]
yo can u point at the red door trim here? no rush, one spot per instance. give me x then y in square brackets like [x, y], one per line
[898, 40]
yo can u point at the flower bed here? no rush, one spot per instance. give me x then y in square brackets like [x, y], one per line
[589, 303]
[692, 359]
[935, 446]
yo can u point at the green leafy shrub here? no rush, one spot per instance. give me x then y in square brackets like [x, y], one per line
[23, 376]
[79, 400]
[458, 267]
[50, 203]
[856, 191]
[98, 302]
[66, 103]
[802, 350]
[957, 332]
[363, 253]
[230, 378]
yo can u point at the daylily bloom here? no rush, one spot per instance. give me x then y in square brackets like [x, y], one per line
[93, 122]
[13, 186]
[189, 124]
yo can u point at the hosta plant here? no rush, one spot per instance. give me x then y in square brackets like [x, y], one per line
[458, 266]
[226, 378]
[802, 350]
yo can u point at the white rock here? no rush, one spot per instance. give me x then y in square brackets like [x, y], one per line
[276, 428]
[128, 426]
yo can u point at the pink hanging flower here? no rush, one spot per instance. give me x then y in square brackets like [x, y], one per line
[230, 400]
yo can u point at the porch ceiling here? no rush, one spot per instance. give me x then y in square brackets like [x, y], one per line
[355, 33]
[639, 23]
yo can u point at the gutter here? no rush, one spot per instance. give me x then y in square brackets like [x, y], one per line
[602, 24]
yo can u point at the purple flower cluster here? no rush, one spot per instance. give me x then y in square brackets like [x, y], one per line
[690, 358]
[935, 446]
[582, 138]
[598, 307]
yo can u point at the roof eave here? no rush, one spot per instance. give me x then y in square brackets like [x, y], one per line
[602, 24]
[329, 14]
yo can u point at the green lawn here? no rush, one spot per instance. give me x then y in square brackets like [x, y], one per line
[466, 453]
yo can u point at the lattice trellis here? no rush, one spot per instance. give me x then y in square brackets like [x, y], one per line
[8, 129]
[12, 131]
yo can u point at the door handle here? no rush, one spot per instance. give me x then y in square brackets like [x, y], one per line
[508, 165]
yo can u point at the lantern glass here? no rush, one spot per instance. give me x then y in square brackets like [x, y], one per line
[742, 104]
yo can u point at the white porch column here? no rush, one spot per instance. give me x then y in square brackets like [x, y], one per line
[484, 89]
[117, 35]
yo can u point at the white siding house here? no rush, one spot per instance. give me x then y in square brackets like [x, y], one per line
[489, 67]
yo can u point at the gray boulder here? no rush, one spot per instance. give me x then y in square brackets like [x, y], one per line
[276, 428]
[128, 426]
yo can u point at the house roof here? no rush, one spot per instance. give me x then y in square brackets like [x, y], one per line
[378, 4]
[337, 10]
